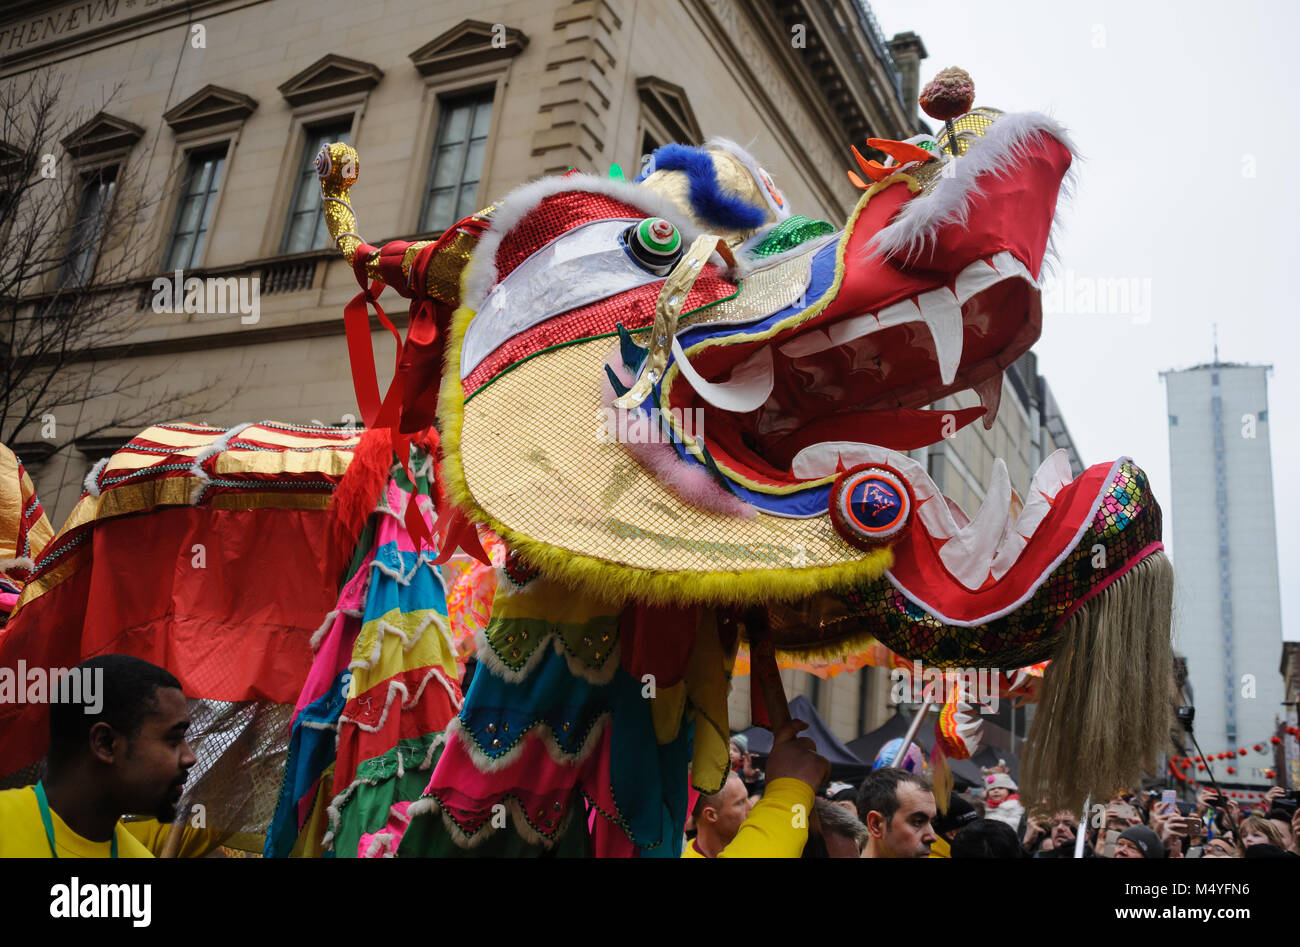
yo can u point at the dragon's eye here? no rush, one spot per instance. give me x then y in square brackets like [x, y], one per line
[654, 243]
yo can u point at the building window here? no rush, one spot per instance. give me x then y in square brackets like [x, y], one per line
[198, 198]
[306, 228]
[457, 161]
[92, 211]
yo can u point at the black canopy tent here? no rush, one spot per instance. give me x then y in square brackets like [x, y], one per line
[845, 764]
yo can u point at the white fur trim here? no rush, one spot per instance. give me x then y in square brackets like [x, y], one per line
[481, 274]
[325, 626]
[539, 731]
[22, 562]
[216, 447]
[1000, 150]
[395, 688]
[92, 478]
[385, 627]
[514, 808]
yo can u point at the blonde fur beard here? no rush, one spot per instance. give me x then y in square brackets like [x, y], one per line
[1107, 700]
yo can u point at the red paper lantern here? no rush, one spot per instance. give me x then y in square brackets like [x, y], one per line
[1275, 740]
[1198, 759]
[1231, 770]
[1200, 766]
[1242, 751]
[1259, 748]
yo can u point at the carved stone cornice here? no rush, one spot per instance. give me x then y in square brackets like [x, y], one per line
[210, 106]
[468, 43]
[102, 136]
[330, 77]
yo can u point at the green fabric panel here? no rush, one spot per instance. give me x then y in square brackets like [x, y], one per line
[513, 640]
[366, 810]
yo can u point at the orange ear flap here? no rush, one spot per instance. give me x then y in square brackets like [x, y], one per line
[860, 184]
[900, 151]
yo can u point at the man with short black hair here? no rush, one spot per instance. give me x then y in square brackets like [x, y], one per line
[129, 757]
[898, 809]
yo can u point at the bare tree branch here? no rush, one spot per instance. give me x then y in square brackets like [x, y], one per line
[70, 277]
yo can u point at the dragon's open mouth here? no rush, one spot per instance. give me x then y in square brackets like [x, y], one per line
[863, 377]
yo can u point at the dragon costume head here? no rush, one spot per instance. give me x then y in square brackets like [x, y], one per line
[678, 393]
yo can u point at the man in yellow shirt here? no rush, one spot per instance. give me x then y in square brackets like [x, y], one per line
[777, 827]
[127, 756]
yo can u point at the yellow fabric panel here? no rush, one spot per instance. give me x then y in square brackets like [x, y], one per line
[309, 839]
[666, 709]
[550, 602]
[15, 493]
[324, 459]
[432, 648]
[24, 832]
[706, 689]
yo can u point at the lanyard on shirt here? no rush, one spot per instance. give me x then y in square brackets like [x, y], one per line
[49, 824]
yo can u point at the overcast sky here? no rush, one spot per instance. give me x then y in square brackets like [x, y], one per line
[1187, 121]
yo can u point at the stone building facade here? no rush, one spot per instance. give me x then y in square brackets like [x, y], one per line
[218, 107]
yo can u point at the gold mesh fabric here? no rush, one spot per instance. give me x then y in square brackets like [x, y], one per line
[761, 294]
[974, 124]
[536, 460]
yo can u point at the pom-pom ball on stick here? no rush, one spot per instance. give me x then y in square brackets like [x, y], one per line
[946, 96]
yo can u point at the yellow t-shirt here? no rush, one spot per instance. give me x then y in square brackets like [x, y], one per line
[153, 835]
[771, 830]
[22, 833]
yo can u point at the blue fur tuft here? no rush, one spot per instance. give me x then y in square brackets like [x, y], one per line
[711, 203]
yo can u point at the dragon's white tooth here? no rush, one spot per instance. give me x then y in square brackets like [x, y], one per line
[1004, 263]
[1052, 474]
[750, 385]
[976, 278]
[942, 314]
[807, 343]
[990, 392]
[969, 554]
[846, 330]
[895, 314]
